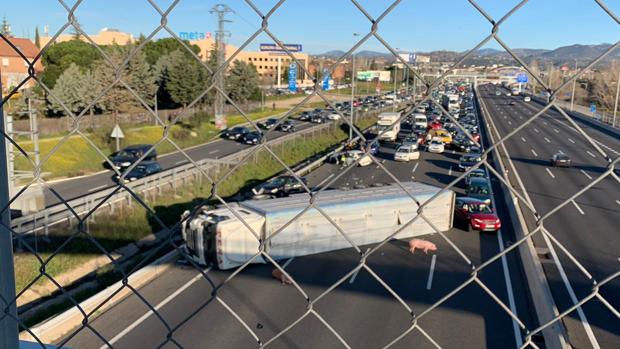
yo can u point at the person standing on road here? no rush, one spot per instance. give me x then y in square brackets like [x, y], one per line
[273, 106]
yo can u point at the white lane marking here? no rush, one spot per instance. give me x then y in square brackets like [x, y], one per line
[577, 207]
[450, 171]
[590, 153]
[544, 122]
[96, 188]
[547, 140]
[509, 122]
[549, 172]
[523, 139]
[570, 140]
[180, 162]
[618, 202]
[556, 130]
[287, 263]
[214, 151]
[356, 272]
[586, 174]
[533, 152]
[414, 167]
[157, 307]
[429, 283]
[536, 130]
[326, 179]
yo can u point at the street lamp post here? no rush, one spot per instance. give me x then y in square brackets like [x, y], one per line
[613, 123]
[395, 73]
[572, 95]
[351, 118]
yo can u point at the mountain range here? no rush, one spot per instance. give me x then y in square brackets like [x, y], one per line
[560, 55]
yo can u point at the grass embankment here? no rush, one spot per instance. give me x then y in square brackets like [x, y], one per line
[77, 157]
[131, 224]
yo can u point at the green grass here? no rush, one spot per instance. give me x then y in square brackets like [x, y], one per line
[75, 156]
[282, 97]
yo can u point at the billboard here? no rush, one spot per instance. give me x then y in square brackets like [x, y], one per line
[292, 77]
[408, 57]
[370, 75]
[276, 48]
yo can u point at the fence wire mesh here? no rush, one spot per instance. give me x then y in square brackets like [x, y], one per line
[496, 146]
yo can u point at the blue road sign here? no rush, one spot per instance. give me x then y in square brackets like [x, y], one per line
[522, 78]
[593, 108]
[325, 79]
[292, 77]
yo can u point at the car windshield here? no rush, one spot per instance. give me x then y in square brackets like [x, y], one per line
[470, 158]
[480, 189]
[277, 181]
[384, 127]
[562, 157]
[140, 169]
[434, 142]
[479, 208]
[128, 153]
[404, 150]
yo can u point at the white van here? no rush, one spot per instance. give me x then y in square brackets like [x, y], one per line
[420, 119]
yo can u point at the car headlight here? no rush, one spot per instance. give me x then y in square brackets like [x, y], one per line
[477, 220]
[133, 178]
[126, 163]
[497, 221]
[274, 190]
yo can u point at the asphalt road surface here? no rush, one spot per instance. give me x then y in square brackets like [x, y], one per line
[360, 310]
[587, 226]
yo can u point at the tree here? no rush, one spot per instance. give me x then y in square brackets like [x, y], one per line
[118, 97]
[183, 78]
[141, 77]
[603, 86]
[71, 89]
[60, 56]
[37, 37]
[154, 50]
[242, 81]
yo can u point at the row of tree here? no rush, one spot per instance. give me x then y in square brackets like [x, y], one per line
[162, 72]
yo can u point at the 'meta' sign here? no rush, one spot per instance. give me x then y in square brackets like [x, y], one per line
[194, 35]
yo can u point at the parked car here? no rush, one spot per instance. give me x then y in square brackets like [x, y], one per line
[479, 188]
[235, 133]
[128, 155]
[477, 214]
[253, 137]
[287, 126]
[268, 124]
[468, 161]
[436, 146]
[141, 170]
[278, 187]
[560, 160]
[407, 153]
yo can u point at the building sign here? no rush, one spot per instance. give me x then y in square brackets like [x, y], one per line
[370, 75]
[276, 48]
[292, 77]
[194, 35]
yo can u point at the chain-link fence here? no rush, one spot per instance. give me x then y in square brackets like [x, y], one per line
[496, 160]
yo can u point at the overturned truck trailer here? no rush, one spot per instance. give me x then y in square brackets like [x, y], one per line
[366, 216]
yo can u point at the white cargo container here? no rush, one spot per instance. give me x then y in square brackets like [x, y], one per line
[388, 126]
[366, 216]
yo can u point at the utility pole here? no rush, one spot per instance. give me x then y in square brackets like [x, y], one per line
[572, 95]
[352, 90]
[220, 35]
[395, 73]
[613, 123]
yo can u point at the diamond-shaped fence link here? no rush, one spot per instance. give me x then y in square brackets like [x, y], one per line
[497, 148]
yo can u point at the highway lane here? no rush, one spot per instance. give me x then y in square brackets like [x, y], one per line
[360, 309]
[76, 187]
[587, 227]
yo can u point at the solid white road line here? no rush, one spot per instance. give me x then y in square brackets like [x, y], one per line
[325, 180]
[618, 202]
[570, 140]
[549, 172]
[180, 162]
[523, 139]
[536, 130]
[533, 152]
[586, 174]
[556, 130]
[214, 151]
[414, 167]
[547, 140]
[577, 207]
[157, 307]
[287, 263]
[590, 153]
[97, 188]
[429, 283]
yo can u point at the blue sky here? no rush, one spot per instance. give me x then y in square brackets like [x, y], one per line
[322, 25]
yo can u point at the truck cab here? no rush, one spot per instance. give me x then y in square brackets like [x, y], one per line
[388, 126]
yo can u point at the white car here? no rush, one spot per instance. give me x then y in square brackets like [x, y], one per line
[406, 153]
[436, 146]
[527, 99]
[333, 116]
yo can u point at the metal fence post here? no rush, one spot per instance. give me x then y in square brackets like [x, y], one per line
[8, 311]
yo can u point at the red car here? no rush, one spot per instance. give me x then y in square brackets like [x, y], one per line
[434, 125]
[476, 137]
[476, 214]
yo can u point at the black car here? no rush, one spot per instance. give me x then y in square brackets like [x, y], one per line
[560, 160]
[278, 187]
[463, 144]
[235, 133]
[305, 116]
[143, 169]
[317, 119]
[287, 126]
[468, 161]
[128, 155]
[253, 137]
[268, 124]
